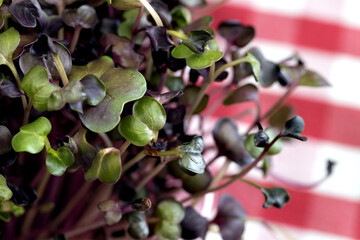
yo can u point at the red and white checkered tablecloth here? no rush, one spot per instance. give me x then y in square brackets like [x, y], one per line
[326, 34]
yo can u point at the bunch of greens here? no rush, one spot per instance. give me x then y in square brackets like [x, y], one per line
[96, 99]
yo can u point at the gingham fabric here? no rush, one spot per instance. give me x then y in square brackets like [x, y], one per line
[326, 34]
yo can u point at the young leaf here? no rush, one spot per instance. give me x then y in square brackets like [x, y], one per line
[294, 127]
[106, 166]
[229, 142]
[23, 195]
[305, 76]
[197, 41]
[261, 139]
[5, 192]
[124, 54]
[201, 23]
[113, 213]
[241, 70]
[5, 140]
[57, 161]
[135, 131]
[125, 29]
[84, 16]
[122, 86]
[204, 60]
[197, 183]
[255, 64]
[26, 12]
[139, 228]
[236, 33]
[32, 136]
[181, 51]
[159, 37]
[43, 46]
[8, 159]
[165, 230]
[241, 94]
[71, 93]
[37, 86]
[150, 112]
[180, 16]
[10, 207]
[189, 96]
[50, 25]
[279, 118]
[170, 211]
[193, 225]
[86, 152]
[313, 79]
[9, 40]
[97, 67]
[141, 204]
[276, 197]
[94, 88]
[28, 61]
[163, 98]
[256, 151]
[5, 216]
[191, 158]
[230, 218]
[143, 126]
[8, 88]
[269, 73]
[194, 60]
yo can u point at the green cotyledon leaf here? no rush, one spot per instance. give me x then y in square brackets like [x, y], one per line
[32, 137]
[97, 67]
[143, 126]
[9, 40]
[5, 192]
[37, 87]
[106, 166]
[122, 86]
[58, 161]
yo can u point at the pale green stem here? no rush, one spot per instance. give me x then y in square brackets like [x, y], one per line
[229, 64]
[124, 146]
[153, 13]
[18, 82]
[153, 173]
[251, 183]
[202, 92]
[83, 229]
[47, 144]
[106, 139]
[75, 39]
[177, 34]
[134, 160]
[60, 69]
[60, 6]
[172, 152]
[27, 112]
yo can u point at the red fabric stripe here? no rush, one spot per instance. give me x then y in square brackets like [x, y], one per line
[299, 31]
[322, 120]
[305, 210]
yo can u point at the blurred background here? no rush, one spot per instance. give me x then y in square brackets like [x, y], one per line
[326, 35]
